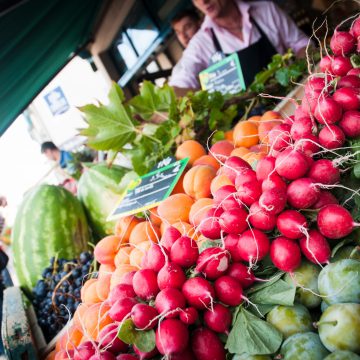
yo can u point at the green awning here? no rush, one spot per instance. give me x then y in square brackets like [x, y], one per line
[37, 38]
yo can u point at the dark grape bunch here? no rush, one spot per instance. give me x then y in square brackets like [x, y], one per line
[58, 292]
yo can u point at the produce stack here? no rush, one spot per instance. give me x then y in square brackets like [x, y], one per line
[255, 254]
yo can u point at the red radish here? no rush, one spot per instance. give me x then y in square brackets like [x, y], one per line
[156, 257]
[143, 316]
[233, 166]
[355, 28]
[291, 164]
[331, 137]
[210, 225]
[308, 146]
[121, 291]
[144, 261]
[108, 338]
[127, 278]
[171, 275]
[325, 64]
[226, 198]
[302, 193]
[206, 345]
[289, 120]
[213, 262]
[279, 137]
[242, 274]
[221, 150]
[245, 175]
[249, 192]
[145, 284]
[234, 221]
[309, 102]
[253, 245]
[121, 309]
[291, 224]
[145, 355]
[302, 127]
[103, 355]
[325, 198]
[273, 200]
[218, 318]
[230, 243]
[285, 254]
[350, 124]
[189, 316]
[348, 98]
[355, 71]
[170, 235]
[323, 171]
[314, 84]
[315, 247]
[187, 354]
[264, 167]
[274, 181]
[261, 219]
[126, 357]
[184, 252]
[327, 111]
[172, 337]
[335, 222]
[349, 81]
[228, 290]
[342, 43]
[198, 292]
[299, 113]
[170, 301]
[85, 351]
[341, 65]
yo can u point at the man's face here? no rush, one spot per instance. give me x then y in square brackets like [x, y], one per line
[185, 29]
[50, 154]
[211, 8]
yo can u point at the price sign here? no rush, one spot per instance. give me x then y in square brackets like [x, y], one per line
[149, 190]
[225, 76]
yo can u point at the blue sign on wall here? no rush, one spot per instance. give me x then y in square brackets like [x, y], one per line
[56, 101]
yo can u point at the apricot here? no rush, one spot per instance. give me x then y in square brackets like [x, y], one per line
[137, 254]
[154, 217]
[229, 135]
[264, 129]
[124, 226]
[199, 209]
[270, 115]
[208, 160]
[175, 208]
[90, 294]
[123, 256]
[245, 134]
[106, 249]
[71, 339]
[255, 119]
[219, 181]
[197, 181]
[144, 231]
[240, 151]
[179, 189]
[95, 319]
[222, 150]
[103, 287]
[191, 149]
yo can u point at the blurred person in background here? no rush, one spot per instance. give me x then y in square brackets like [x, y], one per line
[186, 24]
[52, 152]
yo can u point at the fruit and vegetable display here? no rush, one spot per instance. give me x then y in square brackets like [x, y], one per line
[255, 255]
[58, 294]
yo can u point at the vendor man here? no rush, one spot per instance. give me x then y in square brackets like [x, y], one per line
[255, 31]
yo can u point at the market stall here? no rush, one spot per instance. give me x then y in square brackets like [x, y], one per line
[234, 234]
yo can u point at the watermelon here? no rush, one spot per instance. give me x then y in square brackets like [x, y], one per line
[98, 191]
[50, 221]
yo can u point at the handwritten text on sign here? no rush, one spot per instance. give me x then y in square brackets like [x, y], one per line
[149, 190]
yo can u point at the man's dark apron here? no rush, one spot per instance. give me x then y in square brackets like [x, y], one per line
[254, 58]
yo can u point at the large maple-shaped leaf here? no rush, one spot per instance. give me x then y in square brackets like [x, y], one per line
[109, 126]
[154, 100]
